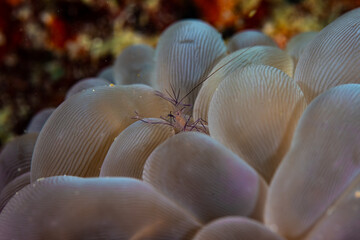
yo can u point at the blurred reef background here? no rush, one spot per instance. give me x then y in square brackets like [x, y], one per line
[48, 45]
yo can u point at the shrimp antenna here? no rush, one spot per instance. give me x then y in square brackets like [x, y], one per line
[173, 92]
[173, 97]
[201, 82]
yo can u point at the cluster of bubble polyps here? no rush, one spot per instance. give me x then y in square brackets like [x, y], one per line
[184, 56]
[281, 160]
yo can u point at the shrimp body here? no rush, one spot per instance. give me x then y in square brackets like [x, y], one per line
[180, 121]
[183, 122]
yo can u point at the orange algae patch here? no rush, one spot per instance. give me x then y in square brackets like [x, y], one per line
[219, 13]
[14, 2]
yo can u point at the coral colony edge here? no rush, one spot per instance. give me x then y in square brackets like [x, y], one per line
[198, 139]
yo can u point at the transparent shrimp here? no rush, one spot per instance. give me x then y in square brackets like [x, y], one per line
[180, 121]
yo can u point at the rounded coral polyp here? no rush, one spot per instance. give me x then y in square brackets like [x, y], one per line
[185, 54]
[65, 207]
[320, 173]
[254, 113]
[77, 136]
[332, 58]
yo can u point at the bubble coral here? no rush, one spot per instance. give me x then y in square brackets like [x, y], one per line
[297, 44]
[205, 178]
[235, 228]
[254, 113]
[77, 136]
[65, 207]
[320, 174]
[332, 57]
[129, 151]
[263, 55]
[185, 53]
[107, 73]
[85, 84]
[38, 121]
[15, 158]
[249, 38]
[135, 64]
[12, 188]
[197, 186]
